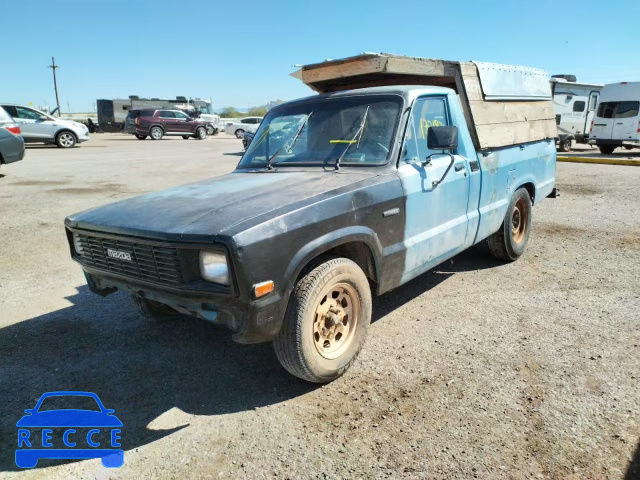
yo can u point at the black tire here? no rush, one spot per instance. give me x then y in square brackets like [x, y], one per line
[201, 133]
[239, 133]
[297, 345]
[153, 310]
[628, 147]
[141, 137]
[564, 145]
[66, 139]
[186, 137]
[210, 130]
[156, 133]
[606, 149]
[509, 242]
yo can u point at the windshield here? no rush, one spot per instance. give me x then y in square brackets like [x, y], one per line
[355, 130]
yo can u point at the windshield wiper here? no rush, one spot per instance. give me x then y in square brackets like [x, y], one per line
[358, 135]
[291, 145]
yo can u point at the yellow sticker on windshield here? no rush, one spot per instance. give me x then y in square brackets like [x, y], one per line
[343, 141]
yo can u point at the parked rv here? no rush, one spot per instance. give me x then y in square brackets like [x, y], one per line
[355, 192]
[617, 119]
[574, 104]
[113, 113]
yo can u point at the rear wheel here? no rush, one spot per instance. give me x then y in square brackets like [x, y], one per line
[239, 133]
[153, 310]
[326, 322]
[509, 242]
[564, 145]
[65, 139]
[606, 149]
[201, 133]
[156, 133]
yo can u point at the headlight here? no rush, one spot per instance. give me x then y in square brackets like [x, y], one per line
[77, 246]
[213, 267]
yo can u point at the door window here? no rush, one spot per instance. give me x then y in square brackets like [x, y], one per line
[181, 115]
[426, 113]
[167, 114]
[627, 109]
[27, 113]
[11, 110]
[606, 109]
[578, 106]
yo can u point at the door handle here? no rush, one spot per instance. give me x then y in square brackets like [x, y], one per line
[459, 166]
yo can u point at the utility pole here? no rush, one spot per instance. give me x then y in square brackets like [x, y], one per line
[53, 67]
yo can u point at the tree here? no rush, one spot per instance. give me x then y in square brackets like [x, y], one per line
[230, 112]
[258, 111]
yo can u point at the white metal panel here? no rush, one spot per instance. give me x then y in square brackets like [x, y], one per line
[510, 82]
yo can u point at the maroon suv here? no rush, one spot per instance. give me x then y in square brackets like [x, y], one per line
[158, 123]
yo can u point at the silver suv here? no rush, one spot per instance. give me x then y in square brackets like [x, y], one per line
[37, 126]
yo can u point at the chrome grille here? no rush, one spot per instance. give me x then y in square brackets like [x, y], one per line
[148, 262]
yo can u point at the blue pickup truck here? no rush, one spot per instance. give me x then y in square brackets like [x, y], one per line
[339, 195]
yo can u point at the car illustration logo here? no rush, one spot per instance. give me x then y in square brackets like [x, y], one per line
[88, 431]
[118, 254]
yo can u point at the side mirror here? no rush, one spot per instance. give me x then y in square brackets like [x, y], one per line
[42, 118]
[442, 138]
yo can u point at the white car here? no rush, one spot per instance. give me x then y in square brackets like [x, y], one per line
[241, 125]
[38, 127]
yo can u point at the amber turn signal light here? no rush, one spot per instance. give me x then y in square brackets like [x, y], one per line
[261, 289]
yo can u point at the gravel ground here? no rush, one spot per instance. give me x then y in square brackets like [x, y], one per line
[474, 370]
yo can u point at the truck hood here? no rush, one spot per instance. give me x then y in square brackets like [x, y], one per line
[201, 210]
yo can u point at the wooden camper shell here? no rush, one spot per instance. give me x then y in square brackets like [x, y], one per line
[494, 121]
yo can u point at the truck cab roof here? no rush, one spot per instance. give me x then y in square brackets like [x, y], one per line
[408, 92]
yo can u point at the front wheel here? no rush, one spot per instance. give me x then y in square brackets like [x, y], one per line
[509, 242]
[239, 133]
[65, 140]
[210, 130]
[326, 322]
[201, 133]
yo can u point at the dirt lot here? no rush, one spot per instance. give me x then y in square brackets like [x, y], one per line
[477, 369]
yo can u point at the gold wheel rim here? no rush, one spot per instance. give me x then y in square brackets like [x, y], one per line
[519, 220]
[335, 320]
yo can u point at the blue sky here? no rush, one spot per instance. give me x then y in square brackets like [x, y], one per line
[241, 52]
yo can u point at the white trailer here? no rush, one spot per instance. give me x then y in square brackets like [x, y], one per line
[574, 104]
[617, 119]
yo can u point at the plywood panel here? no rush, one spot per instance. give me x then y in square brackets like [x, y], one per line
[499, 135]
[423, 66]
[487, 113]
[343, 69]
[472, 87]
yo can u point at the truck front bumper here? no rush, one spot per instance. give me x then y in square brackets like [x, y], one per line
[251, 321]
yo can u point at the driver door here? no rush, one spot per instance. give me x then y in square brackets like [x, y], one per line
[436, 217]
